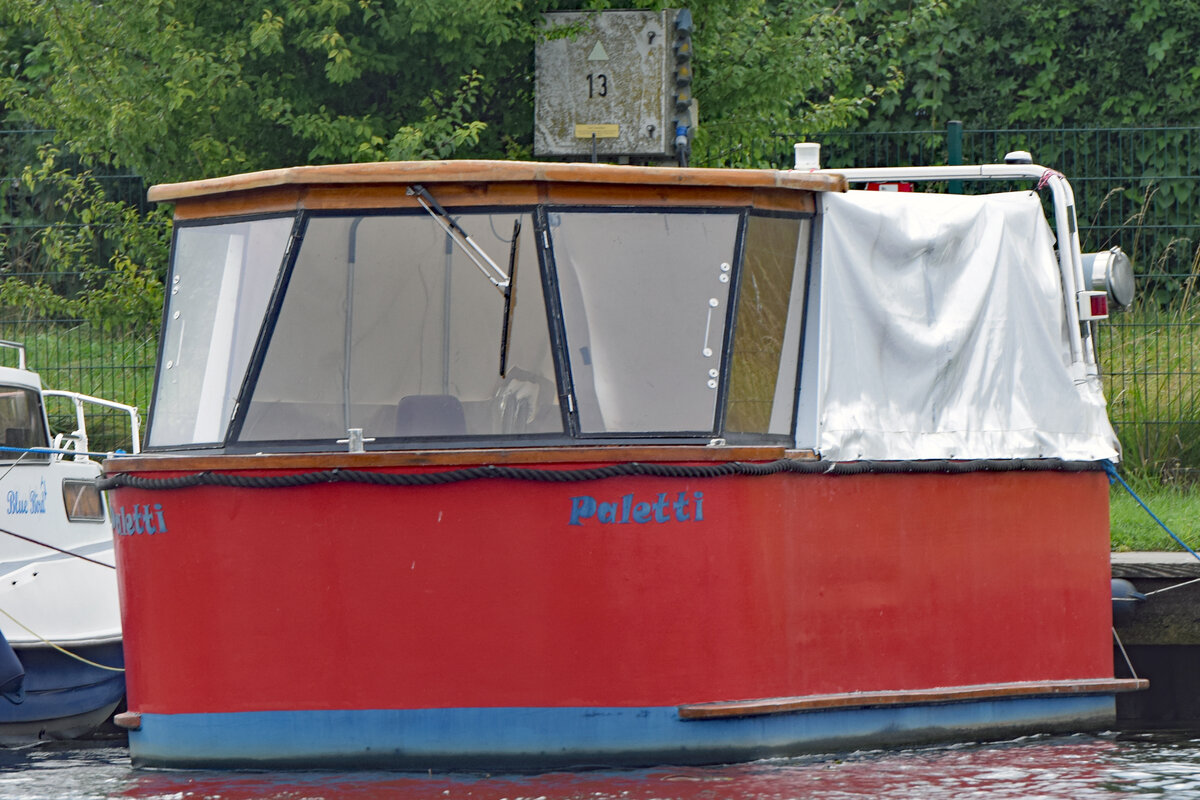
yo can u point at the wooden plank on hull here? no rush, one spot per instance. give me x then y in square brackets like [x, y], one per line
[948, 694]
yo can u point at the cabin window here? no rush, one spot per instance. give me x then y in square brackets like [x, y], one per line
[766, 341]
[82, 501]
[221, 283]
[22, 423]
[644, 303]
[389, 327]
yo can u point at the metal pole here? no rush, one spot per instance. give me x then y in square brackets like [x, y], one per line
[954, 132]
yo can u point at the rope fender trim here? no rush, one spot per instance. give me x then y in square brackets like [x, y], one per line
[491, 471]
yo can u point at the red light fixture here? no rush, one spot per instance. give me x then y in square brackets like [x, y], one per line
[1093, 305]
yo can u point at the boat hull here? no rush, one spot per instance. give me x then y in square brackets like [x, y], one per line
[532, 625]
[561, 738]
[63, 698]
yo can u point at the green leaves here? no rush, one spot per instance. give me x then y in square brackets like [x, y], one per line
[101, 263]
[775, 66]
[182, 89]
[266, 35]
[1010, 63]
[446, 129]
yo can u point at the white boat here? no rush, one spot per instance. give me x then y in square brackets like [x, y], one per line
[61, 663]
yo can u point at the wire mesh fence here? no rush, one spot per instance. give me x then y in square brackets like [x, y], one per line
[74, 356]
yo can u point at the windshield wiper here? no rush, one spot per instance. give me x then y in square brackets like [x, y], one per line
[500, 279]
[510, 298]
[460, 237]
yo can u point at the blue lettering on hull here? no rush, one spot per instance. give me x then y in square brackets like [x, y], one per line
[685, 507]
[31, 502]
[142, 519]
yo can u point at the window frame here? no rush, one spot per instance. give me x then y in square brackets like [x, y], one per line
[806, 251]
[40, 416]
[551, 293]
[208, 222]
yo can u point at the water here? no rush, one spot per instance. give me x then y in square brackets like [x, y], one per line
[1036, 768]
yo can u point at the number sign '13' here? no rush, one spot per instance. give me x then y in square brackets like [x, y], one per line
[597, 85]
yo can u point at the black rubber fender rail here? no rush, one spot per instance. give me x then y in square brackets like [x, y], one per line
[729, 468]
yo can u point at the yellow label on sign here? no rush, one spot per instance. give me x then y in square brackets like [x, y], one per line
[599, 131]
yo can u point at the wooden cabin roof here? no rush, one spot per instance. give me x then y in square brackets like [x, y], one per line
[478, 171]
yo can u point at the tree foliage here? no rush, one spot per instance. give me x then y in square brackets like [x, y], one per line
[184, 89]
[1064, 68]
[800, 68]
[99, 265]
[1085, 63]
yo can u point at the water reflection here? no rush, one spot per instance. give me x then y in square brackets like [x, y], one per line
[1054, 768]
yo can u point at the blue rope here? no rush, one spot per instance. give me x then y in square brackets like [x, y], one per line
[1114, 477]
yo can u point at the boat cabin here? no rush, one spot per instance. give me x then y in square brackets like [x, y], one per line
[418, 304]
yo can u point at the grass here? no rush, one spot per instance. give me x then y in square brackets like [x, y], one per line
[1176, 505]
[1150, 360]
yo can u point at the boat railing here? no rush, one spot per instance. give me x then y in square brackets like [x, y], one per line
[77, 440]
[1017, 166]
[19, 347]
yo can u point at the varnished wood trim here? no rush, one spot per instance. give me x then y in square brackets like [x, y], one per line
[467, 171]
[291, 199]
[776, 200]
[171, 462]
[674, 197]
[948, 694]
[275, 200]
[395, 195]
[129, 720]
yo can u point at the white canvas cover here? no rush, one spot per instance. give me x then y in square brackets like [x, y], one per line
[943, 333]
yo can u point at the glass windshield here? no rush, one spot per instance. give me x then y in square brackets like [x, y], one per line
[389, 327]
[387, 323]
[221, 281]
[644, 302]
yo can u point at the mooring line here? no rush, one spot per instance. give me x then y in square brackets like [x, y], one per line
[1114, 477]
[13, 465]
[57, 549]
[1173, 586]
[59, 648]
[1124, 655]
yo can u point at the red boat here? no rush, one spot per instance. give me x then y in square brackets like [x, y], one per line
[479, 465]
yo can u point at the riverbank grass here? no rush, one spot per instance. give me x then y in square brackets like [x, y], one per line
[1134, 529]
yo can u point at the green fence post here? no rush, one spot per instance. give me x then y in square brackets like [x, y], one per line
[954, 146]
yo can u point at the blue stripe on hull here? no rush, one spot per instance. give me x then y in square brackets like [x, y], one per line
[547, 738]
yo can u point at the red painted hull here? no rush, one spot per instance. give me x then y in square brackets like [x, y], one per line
[482, 594]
